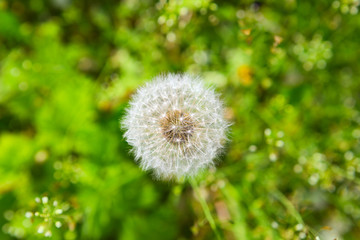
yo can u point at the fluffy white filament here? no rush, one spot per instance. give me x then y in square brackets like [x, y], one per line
[175, 125]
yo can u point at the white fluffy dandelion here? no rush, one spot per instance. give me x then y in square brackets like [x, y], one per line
[175, 125]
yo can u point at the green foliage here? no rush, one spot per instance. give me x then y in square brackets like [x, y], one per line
[287, 70]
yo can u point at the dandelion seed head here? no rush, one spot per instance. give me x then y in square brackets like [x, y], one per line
[175, 125]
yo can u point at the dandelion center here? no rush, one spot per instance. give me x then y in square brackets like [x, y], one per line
[177, 127]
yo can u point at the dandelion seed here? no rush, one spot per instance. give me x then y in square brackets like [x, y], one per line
[176, 126]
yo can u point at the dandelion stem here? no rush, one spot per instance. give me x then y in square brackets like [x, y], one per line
[205, 208]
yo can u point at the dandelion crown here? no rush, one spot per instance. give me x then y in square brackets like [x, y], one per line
[175, 125]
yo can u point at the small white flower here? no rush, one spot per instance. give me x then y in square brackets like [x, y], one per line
[45, 200]
[28, 214]
[58, 211]
[58, 224]
[41, 229]
[176, 126]
[48, 233]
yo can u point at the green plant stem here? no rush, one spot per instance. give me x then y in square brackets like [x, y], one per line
[205, 208]
[292, 210]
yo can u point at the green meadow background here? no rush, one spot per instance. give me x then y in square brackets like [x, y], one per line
[288, 72]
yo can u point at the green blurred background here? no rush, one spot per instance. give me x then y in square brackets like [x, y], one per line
[288, 72]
